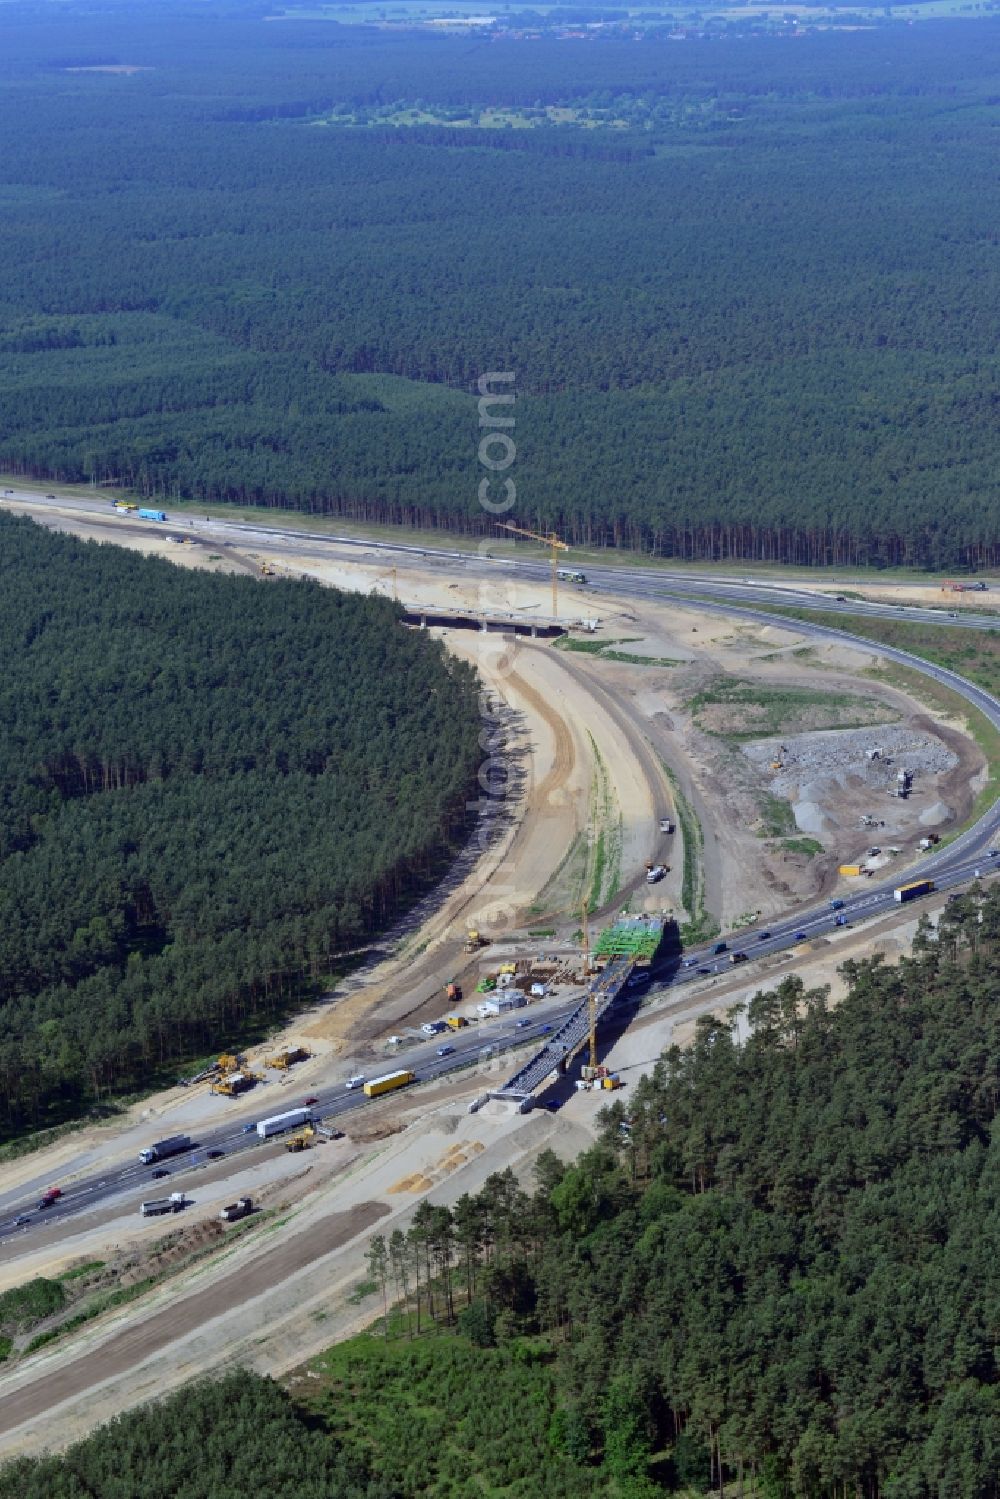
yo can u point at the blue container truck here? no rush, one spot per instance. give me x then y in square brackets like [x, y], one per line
[152, 515]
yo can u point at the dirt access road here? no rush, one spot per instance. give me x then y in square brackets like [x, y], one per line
[151, 1334]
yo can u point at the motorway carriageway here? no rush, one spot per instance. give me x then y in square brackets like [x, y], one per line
[627, 582]
[336, 1102]
[951, 865]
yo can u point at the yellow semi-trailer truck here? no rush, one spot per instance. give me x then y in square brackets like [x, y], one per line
[388, 1082]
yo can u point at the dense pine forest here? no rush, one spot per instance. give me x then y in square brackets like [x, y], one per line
[209, 788]
[750, 297]
[775, 1275]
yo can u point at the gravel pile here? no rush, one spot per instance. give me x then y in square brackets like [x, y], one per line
[839, 754]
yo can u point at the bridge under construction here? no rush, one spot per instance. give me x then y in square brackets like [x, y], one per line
[631, 944]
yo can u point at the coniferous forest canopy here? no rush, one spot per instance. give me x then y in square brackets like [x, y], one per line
[209, 788]
[752, 312]
[776, 1273]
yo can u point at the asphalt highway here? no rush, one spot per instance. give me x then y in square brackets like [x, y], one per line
[966, 858]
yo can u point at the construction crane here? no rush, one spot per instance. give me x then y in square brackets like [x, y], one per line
[552, 541]
[381, 579]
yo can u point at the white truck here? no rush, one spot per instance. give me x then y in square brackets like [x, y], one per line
[278, 1123]
[160, 1205]
[241, 1208]
[161, 1149]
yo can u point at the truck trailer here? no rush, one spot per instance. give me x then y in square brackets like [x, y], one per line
[388, 1082]
[913, 889]
[278, 1123]
[152, 515]
[161, 1149]
[160, 1205]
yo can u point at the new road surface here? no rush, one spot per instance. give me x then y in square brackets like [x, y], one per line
[968, 857]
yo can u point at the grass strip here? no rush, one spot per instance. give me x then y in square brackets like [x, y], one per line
[701, 924]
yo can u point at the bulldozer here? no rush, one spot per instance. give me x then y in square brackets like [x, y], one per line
[301, 1140]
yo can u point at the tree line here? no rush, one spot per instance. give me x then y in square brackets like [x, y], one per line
[209, 790]
[208, 293]
[773, 1275]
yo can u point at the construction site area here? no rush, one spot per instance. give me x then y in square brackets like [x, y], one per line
[670, 774]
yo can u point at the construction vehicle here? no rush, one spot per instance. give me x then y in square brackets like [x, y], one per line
[266, 570]
[242, 1208]
[232, 1076]
[474, 940]
[913, 889]
[456, 1022]
[666, 826]
[159, 1205]
[161, 1149]
[278, 1124]
[388, 1083]
[453, 992]
[301, 1140]
[235, 1083]
[507, 968]
[929, 841]
[848, 870]
[282, 1060]
[125, 505]
[655, 873]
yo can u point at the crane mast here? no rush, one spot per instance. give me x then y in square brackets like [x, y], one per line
[555, 545]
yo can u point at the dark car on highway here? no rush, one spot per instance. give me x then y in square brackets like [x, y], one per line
[310, 1101]
[763, 936]
[159, 1173]
[214, 1155]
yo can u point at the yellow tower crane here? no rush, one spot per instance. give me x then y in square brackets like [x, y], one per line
[553, 542]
